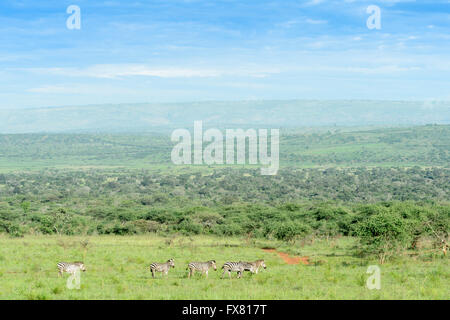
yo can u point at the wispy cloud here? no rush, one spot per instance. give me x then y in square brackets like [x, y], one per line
[117, 71]
[314, 21]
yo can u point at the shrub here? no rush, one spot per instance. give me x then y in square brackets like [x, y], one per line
[188, 227]
[207, 219]
[15, 230]
[144, 226]
[384, 234]
[230, 229]
[288, 231]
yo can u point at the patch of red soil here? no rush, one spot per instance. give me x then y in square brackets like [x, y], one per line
[289, 259]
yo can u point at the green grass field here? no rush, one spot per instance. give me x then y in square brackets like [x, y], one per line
[117, 268]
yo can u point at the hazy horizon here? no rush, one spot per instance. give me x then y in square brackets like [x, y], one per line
[87, 105]
[160, 117]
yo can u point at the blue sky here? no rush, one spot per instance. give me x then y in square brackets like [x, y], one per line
[191, 50]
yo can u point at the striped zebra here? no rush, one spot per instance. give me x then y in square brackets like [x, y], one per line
[254, 266]
[202, 267]
[70, 267]
[238, 267]
[162, 267]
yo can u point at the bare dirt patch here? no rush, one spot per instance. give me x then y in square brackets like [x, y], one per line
[289, 259]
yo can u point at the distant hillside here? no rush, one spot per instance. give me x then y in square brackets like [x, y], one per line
[164, 117]
[401, 147]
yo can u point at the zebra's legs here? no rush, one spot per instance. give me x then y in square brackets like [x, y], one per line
[206, 274]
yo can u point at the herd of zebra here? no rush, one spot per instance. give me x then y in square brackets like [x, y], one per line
[202, 267]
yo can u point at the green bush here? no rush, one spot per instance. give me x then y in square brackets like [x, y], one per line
[288, 231]
[13, 229]
[384, 234]
[188, 227]
[144, 226]
[229, 229]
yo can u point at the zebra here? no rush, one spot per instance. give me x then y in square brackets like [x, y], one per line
[238, 267]
[70, 267]
[162, 267]
[202, 267]
[254, 266]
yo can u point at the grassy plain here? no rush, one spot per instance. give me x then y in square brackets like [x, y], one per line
[117, 268]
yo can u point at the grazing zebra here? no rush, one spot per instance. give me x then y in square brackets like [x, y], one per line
[238, 267]
[70, 267]
[254, 266]
[162, 267]
[202, 267]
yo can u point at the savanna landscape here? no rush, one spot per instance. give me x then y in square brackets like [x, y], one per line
[224, 150]
[343, 200]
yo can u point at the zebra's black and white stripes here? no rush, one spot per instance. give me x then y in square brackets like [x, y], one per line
[242, 266]
[238, 267]
[162, 267]
[202, 267]
[70, 267]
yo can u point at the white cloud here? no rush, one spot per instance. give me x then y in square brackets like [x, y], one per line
[117, 71]
[79, 89]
